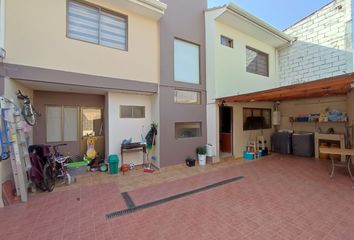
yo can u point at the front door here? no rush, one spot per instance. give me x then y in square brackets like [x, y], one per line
[92, 125]
[225, 131]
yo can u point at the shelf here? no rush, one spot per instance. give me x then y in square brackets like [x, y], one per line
[320, 122]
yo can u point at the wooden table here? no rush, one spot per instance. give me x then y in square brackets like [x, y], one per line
[348, 153]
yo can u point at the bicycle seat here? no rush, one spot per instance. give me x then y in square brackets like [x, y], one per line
[61, 159]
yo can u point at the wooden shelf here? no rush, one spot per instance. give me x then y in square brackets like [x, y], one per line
[320, 122]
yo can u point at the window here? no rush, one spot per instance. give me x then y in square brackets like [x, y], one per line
[92, 122]
[228, 42]
[132, 111]
[256, 118]
[188, 129]
[257, 62]
[186, 62]
[94, 24]
[187, 97]
[61, 123]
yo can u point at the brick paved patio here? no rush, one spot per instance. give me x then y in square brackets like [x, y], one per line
[281, 197]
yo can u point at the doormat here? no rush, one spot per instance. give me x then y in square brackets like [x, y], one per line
[134, 208]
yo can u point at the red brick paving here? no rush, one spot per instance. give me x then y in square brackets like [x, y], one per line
[281, 197]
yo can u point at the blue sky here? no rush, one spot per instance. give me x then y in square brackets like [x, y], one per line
[278, 13]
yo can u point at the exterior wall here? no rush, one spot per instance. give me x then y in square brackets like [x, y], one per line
[308, 106]
[190, 27]
[42, 98]
[120, 128]
[350, 107]
[40, 41]
[241, 137]
[323, 47]
[231, 77]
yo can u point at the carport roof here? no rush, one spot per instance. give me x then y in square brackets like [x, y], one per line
[338, 85]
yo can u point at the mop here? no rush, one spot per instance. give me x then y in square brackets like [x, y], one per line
[149, 147]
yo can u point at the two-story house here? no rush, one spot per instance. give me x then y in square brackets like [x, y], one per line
[242, 53]
[90, 67]
[109, 69]
[247, 57]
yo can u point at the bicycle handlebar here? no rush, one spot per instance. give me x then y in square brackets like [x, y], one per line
[20, 95]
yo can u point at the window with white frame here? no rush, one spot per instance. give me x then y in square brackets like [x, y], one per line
[91, 23]
[187, 97]
[228, 42]
[186, 62]
[61, 124]
[132, 111]
[257, 62]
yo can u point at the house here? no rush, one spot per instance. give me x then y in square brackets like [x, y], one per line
[108, 69]
[247, 57]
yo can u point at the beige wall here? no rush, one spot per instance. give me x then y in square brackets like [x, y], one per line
[36, 36]
[241, 137]
[231, 77]
[308, 106]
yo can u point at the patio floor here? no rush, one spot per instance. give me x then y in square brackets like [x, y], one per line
[280, 197]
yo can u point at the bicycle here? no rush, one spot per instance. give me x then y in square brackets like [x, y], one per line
[29, 113]
[56, 168]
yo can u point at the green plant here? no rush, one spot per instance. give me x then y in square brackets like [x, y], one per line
[201, 150]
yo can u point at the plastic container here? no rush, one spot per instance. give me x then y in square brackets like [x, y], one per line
[248, 155]
[210, 150]
[77, 168]
[113, 162]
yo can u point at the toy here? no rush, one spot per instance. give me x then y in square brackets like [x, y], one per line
[91, 152]
[131, 166]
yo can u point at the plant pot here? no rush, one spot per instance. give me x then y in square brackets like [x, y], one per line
[202, 159]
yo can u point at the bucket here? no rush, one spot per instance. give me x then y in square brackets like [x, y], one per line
[113, 161]
[202, 159]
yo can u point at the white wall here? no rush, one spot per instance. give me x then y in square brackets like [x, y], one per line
[323, 47]
[120, 129]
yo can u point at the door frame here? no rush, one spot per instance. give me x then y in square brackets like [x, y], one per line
[231, 127]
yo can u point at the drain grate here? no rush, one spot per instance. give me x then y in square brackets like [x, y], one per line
[128, 200]
[133, 208]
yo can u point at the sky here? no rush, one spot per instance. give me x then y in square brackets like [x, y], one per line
[278, 13]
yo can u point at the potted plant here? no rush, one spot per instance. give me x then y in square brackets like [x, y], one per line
[201, 151]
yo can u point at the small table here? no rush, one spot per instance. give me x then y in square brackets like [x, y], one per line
[132, 147]
[348, 153]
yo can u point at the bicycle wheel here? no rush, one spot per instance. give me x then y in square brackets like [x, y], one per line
[29, 118]
[48, 177]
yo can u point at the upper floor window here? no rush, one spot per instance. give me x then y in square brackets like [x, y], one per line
[94, 24]
[186, 62]
[228, 42]
[257, 62]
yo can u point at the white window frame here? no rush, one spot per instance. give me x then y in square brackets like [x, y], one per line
[101, 11]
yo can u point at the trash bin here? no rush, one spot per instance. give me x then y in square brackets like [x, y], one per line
[113, 161]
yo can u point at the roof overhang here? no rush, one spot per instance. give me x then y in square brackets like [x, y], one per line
[245, 22]
[149, 8]
[339, 85]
